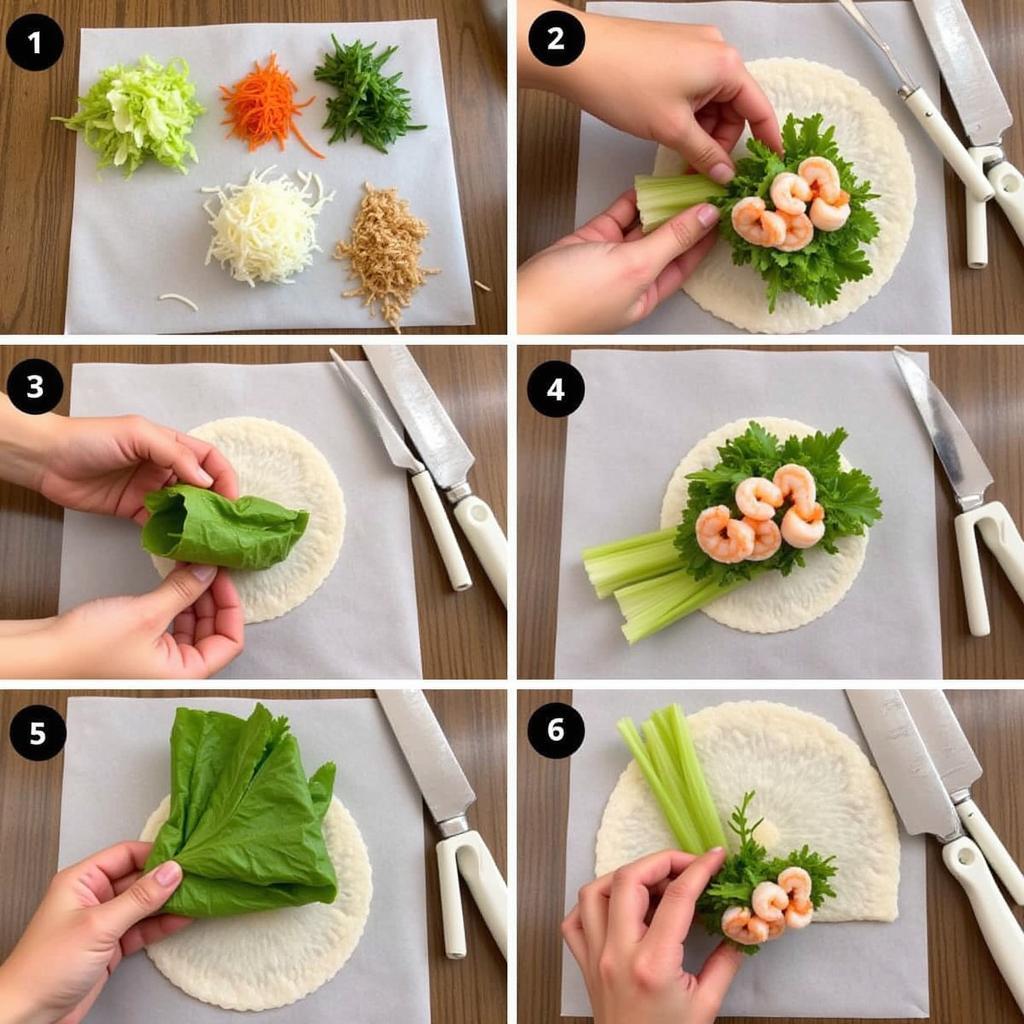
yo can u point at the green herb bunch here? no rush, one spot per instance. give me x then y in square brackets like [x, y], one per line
[368, 101]
[850, 500]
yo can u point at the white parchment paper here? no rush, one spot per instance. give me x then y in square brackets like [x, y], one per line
[916, 298]
[117, 770]
[857, 969]
[362, 622]
[643, 412]
[134, 240]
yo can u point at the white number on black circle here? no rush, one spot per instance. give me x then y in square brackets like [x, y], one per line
[35, 385]
[556, 38]
[37, 732]
[556, 391]
[34, 39]
[556, 730]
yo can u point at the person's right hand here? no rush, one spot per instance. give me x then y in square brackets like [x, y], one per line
[627, 934]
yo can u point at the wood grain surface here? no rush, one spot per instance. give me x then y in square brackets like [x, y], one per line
[964, 982]
[462, 636]
[984, 384]
[989, 301]
[39, 164]
[461, 992]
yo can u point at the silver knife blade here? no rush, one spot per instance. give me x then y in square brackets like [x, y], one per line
[962, 462]
[397, 449]
[969, 78]
[953, 756]
[440, 445]
[903, 762]
[907, 84]
[445, 788]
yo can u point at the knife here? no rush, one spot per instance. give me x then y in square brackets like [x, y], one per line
[448, 795]
[983, 112]
[928, 115]
[959, 768]
[924, 806]
[447, 457]
[422, 483]
[970, 478]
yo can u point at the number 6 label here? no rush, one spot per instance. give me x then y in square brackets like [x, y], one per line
[556, 730]
[38, 732]
[557, 38]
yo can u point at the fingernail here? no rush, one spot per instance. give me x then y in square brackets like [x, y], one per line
[204, 573]
[206, 480]
[722, 174]
[716, 849]
[707, 214]
[168, 874]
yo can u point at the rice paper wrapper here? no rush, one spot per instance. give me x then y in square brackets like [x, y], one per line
[134, 240]
[916, 299]
[644, 410]
[824, 968]
[362, 622]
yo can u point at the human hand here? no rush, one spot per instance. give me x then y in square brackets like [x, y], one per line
[607, 274]
[93, 914]
[627, 934]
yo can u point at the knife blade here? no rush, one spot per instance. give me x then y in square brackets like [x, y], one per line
[448, 795]
[447, 456]
[400, 456]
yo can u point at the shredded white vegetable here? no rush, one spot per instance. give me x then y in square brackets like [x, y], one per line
[266, 230]
[180, 298]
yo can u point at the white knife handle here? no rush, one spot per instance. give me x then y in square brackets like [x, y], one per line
[1002, 934]
[1000, 534]
[441, 528]
[970, 573]
[479, 525]
[931, 120]
[977, 214]
[1009, 185]
[468, 853]
[996, 854]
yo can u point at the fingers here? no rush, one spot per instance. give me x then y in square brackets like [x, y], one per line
[164, 448]
[671, 279]
[152, 930]
[141, 900]
[700, 150]
[215, 464]
[631, 893]
[671, 922]
[613, 224]
[210, 634]
[717, 975]
[675, 237]
[751, 105]
[101, 872]
[572, 932]
[180, 590]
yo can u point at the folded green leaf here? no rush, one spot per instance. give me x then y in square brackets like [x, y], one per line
[190, 524]
[245, 824]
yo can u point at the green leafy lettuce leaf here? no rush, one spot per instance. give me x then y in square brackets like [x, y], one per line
[245, 823]
[191, 524]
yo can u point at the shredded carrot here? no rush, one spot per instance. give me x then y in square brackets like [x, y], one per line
[261, 107]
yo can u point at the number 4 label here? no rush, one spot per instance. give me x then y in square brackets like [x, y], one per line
[556, 391]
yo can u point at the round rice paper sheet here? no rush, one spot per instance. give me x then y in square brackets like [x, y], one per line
[273, 461]
[813, 785]
[770, 603]
[869, 138]
[271, 958]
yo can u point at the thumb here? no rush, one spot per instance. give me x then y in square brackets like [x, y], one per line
[141, 900]
[161, 446]
[676, 236]
[717, 974]
[701, 151]
[180, 590]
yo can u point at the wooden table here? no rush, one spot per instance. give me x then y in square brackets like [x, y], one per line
[983, 302]
[964, 982]
[984, 384]
[39, 162]
[462, 636]
[461, 992]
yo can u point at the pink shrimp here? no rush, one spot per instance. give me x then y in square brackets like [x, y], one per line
[822, 176]
[758, 498]
[797, 485]
[796, 883]
[769, 901]
[740, 925]
[799, 232]
[767, 538]
[829, 216]
[790, 193]
[723, 538]
[803, 531]
[756, 223]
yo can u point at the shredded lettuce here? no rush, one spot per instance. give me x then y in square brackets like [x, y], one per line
[137, 112]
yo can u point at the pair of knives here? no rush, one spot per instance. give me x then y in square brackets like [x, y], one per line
[928, 767]
[447, 457]
[970, 478]
[981, 106]
[448, 795]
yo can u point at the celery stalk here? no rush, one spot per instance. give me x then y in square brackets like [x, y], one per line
[659, 198]
[611, 566]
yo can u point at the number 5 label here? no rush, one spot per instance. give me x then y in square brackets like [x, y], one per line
[38, 732]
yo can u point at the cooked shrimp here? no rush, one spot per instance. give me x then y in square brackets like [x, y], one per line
[799, 914]
[723, 538]
[822, 176]
[756, 223]
[796, 883]
[790, 193]
[799, 232]
[758, 498]
[797, 485]
[803, 532]
[826, 217]
[740, 925]
[769, 901]
[776, 928]
[767, 538]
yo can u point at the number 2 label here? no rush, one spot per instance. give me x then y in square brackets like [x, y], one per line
[555, 32]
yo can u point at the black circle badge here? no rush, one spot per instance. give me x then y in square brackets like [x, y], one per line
[556, 730]
[38, 732]
[35, 386]
[556, 38]
[35, 42]
[555, 388]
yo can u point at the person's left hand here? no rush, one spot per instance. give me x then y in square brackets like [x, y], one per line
[607, 274]
[109, 465]
[94, 914]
